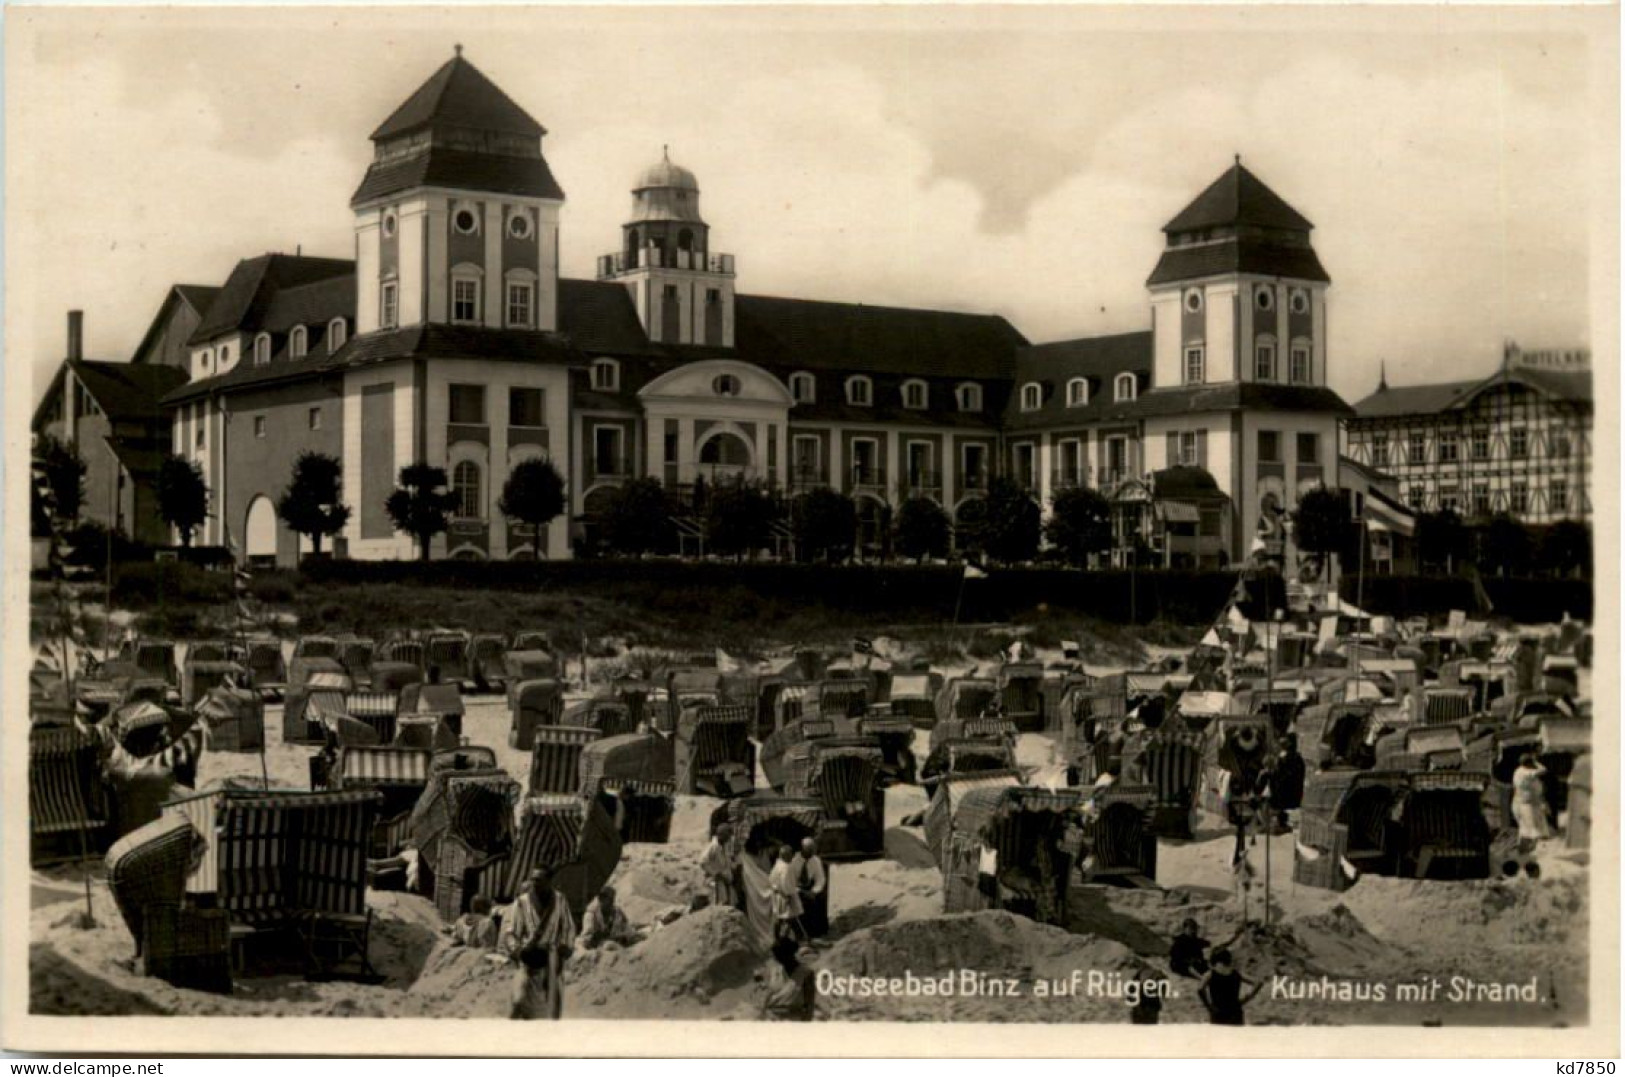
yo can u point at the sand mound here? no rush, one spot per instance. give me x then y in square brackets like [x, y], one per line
[703, 964]
[1482, 913]
[459, 982]
[983, 952]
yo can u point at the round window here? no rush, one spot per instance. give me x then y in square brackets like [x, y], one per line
[389, 224]
[1300, 301]
[519, 226]
[726, 385]
[1265, 298]
[465, 221]
[1193, 301]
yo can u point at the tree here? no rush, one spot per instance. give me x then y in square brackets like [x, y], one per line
[1321, 525]
[1504, 545]
[1566, 548]
[970, 528]
[183, 496]
[923, 529]
[738, 519]
[1080, 524]
[533, 494]
[825, 524]
[421, 506]
[312, 505]
[1011, 530]
[637, 519]
[1441, 539]
[62, 479]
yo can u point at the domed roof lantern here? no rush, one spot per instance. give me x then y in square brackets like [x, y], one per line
[666, 192]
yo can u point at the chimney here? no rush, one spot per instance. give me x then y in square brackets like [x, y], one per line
[76, 334]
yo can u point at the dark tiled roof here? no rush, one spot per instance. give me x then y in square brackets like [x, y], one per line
[459, 95]
[460, 169]
[1413, 399]
[311, 305]
[1238, 198]
[1096, 359]
[197, 296]
[241, 305]
[128, 392]
[1250, 396]
[1369, 473]
[1237, 255]
[800, 334]
[1394, 401]
[599, 317]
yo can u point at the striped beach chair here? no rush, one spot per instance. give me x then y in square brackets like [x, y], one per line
[149, 866]
[555, 759]
[714, 754]
[66, 797]
[1445, 706]
[378, 709]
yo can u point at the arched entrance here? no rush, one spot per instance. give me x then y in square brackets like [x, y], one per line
[725, 456]
[259, 536]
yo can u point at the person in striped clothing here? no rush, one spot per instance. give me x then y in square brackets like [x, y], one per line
[538, 933]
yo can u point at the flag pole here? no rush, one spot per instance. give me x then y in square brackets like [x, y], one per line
[1359, 594]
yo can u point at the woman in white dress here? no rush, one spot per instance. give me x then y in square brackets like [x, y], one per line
[1529, 800]
[785, 895]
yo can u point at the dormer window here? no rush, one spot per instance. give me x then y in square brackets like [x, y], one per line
[859, 391]
[606, 375]
[803, 387]
[915, 394]
[337, 333]
[298, 342]
[1032, 396]
[1124, 388]
[225, 355]
[969, 396]
[466, 289]
[1077, 392]
[262, 349]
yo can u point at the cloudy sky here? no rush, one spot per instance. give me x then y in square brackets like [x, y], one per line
[1020, 161]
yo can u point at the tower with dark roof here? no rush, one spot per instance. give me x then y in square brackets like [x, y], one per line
[684, 293]
[1238, 294]
[457, 218]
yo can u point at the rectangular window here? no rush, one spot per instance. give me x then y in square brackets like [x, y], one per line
[1379, 450]
[914, 395]
[1481, 499]
[1308, 449]
[519, 305]
[866, 462]
[1560, 446]
[1193, 365]
[973, 465]
[1418, 451]
[1480, 444]
[1419, 495]
[315, 418]
[606, 451]
[1518, 443]
[807, 461]
[465, 300]
[1026, 465]
[1187, 448]
[1264, 363]
[259, 426]
[1269, 446]
[526, 407]
[1519, 501]
[1449, 449]
[1116, 459]
[919, 464]
[1300, 366]
[1071, 472]
[671, 448]
[1557, 495]
[465, 404]
[1449, 500]
[387, 310]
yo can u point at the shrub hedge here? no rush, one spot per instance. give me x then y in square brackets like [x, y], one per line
[1522, 600]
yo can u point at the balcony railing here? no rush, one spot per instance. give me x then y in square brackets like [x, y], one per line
[974, 480]
[1069, 478]
[610, 265]
[602, 467]
[807, 477]
[868, 477]
[922, 483]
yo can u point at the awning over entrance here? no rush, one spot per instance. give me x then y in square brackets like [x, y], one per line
[1180, 512]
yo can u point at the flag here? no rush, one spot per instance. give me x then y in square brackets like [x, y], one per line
[862, 646]
[1383, 514]
[727, 663]
[974, 573]
[1212, 638]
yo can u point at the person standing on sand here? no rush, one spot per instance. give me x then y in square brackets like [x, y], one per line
[812, 885]
[1529, 800]
[1221, 991]
[538, 933]
[785, 897]
[719, 867]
